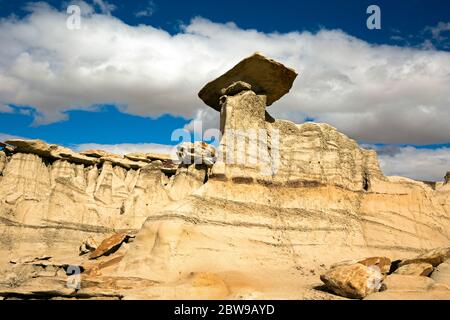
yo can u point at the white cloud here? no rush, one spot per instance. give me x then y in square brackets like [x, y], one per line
[125, 148]
[419, 164]
[438, 30]
[104, 6]
[5, 108]
[5, 136]
[374, 93]
[148, 11]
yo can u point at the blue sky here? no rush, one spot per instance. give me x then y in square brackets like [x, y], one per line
[131, 75]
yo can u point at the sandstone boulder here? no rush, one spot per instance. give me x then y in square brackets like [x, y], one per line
[434, 257]
[353, 281]
[110, 245]
[264, 75]
[402, 282]
[442, 273]
[416, 269]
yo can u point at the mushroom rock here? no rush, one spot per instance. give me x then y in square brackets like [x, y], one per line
[265, 76]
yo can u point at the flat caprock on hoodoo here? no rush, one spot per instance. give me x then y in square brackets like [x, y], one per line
[265, 76]
[309, 206]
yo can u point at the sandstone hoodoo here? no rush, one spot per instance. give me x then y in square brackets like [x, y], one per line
[269, 213]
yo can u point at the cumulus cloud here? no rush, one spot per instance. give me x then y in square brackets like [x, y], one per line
[373, 93]
[415, 163]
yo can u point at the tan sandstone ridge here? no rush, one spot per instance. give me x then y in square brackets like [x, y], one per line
[244, 225]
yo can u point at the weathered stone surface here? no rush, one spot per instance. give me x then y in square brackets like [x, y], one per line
[416, 269]
[353, 281]
[124, 163]
[159, 156]
[447, 177]
[29, 259]
[400, 282]
[442, 273]
[97, 153]
[235, 88]
[434, 257]
[265, 76]
[88, 245]
[283, 153]
[2, 161]
[49, 151]
[109, 245]
[383, 263]
[142, 157]
[196, 153]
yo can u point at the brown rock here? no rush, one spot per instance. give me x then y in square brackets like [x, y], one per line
[434, 257]
[353, 281]
[265, 76]
[442, 273]
[402, 282]
[416, 269]
[109, 245]
[447, 177]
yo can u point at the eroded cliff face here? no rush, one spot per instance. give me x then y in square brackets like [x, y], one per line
[259, 149]
[49, 203]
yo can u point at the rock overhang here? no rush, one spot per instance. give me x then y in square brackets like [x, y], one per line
[266, 77]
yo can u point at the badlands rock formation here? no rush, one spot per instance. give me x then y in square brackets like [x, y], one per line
[264, 217]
